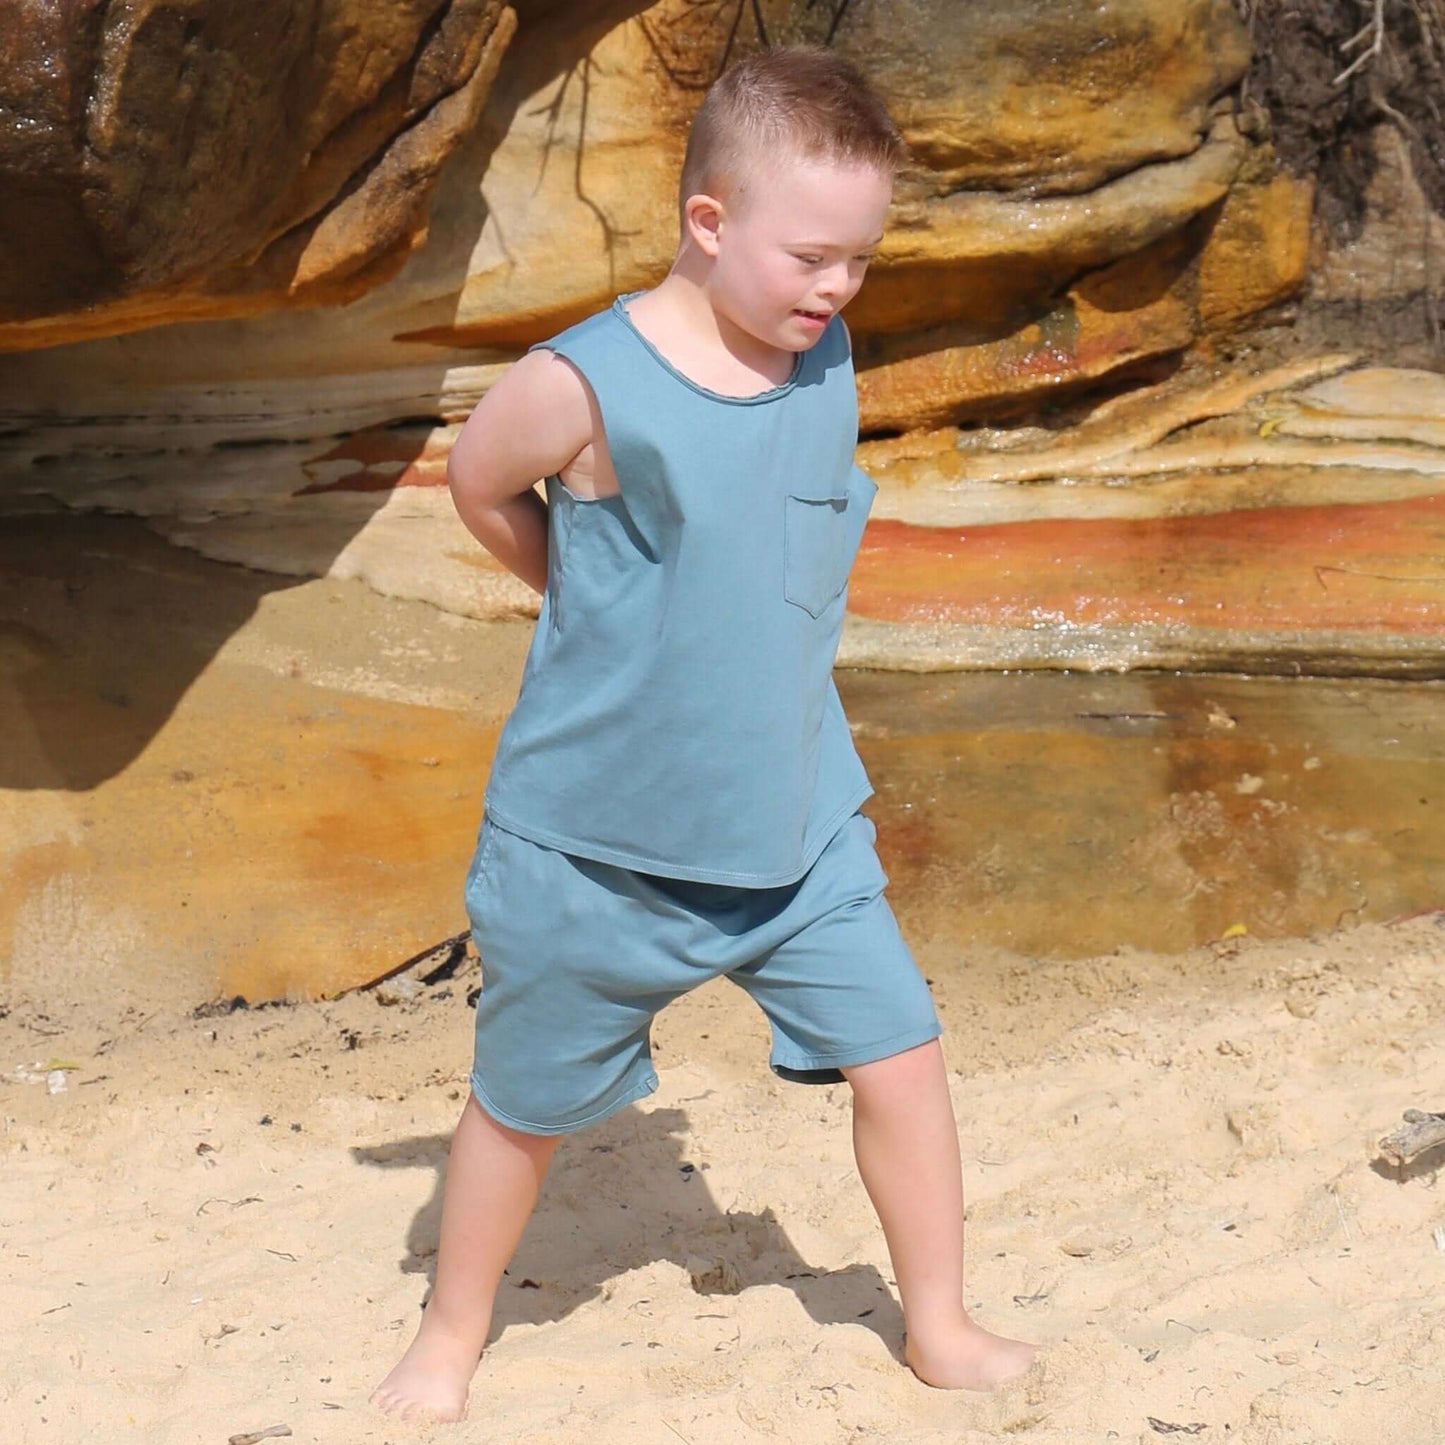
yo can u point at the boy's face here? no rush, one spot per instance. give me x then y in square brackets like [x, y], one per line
[792, 248]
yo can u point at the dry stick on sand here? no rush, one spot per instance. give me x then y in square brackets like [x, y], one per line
[432, 965]
[1422, 1131]
[253, 1437]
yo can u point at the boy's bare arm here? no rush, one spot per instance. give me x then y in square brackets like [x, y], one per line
[532, 422]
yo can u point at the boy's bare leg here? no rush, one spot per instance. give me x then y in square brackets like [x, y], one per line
[906, 1142]
[493, 1179]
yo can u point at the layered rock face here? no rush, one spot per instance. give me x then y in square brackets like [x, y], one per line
[1086, 209]
[173, 158]
[1051, 145]
[169, 174]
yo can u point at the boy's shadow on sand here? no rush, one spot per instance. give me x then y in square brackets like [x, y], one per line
[621, 1195]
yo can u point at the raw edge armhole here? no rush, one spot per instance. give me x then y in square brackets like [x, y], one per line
[621, 493]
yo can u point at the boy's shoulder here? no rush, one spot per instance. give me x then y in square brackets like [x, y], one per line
[602, 326]
[559, 374]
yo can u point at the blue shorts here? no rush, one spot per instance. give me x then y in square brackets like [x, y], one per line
[578, 956]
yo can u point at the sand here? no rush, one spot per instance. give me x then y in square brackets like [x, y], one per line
[222, 1224]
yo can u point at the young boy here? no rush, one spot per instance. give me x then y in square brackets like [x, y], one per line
[675, 794]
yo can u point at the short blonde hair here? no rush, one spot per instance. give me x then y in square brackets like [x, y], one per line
[800, 101]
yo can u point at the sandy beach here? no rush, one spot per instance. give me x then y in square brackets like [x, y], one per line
[222, 1223]
[216, 1221]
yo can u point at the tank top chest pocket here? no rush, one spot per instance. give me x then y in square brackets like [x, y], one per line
[815, 550]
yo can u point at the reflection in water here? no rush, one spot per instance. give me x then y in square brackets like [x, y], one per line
[213, 783]
[1060, 814]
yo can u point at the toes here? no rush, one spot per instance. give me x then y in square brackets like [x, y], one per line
[404, 1407]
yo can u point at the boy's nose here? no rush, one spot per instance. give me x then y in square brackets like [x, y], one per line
[833, 282]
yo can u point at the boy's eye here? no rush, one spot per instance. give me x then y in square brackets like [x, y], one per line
[866, 257]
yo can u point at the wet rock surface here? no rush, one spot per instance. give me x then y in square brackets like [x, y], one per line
[220, 783]
[1058, 815]
[217, 782]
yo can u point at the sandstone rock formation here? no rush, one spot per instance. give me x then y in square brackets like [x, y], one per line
[1275, 523]
[1089, 205]
[1071, 168]
[165, 159]
[1052, 144]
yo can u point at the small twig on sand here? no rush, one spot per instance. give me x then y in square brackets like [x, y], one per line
[253, 1437]
[1340, 1210]
[1421, 1131]
[426, 968]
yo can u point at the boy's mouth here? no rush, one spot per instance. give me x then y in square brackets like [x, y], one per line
[812, 315]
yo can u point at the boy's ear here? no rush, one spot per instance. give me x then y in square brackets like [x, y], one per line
[703, 215]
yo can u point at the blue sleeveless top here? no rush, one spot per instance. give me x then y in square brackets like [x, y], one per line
[677, 713]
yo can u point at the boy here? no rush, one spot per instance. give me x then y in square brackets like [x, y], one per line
[675, 794]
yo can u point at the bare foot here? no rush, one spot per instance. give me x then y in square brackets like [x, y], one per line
[430, 1381]
[966, 1357]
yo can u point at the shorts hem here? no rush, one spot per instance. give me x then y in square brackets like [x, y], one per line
[823, 1068]
[639, 1090]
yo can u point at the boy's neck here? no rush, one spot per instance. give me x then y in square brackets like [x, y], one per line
[678, 317]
